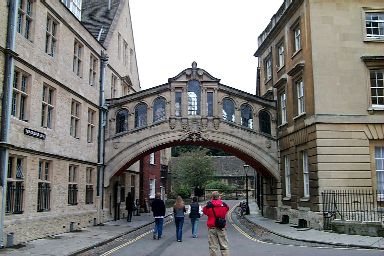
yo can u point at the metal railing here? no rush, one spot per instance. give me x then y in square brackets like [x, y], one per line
[72, 194]
[89, 194]
[15, 198]
[352, 205]
[43, 197]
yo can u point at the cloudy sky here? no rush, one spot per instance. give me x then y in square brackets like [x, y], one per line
[220, 35]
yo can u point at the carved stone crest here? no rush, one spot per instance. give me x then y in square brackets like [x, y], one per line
[193, 136]
[216, 123]
[172, 123]
[184, 124]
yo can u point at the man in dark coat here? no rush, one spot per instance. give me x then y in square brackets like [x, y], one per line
[158, 209]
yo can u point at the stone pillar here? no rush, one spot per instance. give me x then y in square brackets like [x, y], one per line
[172, 103]
[203, 103]
[217, 106]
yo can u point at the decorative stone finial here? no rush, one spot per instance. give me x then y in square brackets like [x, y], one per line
[194, 65]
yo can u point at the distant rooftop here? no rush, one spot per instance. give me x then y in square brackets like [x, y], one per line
[97, 16]
[274, 20]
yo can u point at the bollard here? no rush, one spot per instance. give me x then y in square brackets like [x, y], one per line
[94, 222]
[10, 238]
[71, 226]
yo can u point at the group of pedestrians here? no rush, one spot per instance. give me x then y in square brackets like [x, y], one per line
[215, 209]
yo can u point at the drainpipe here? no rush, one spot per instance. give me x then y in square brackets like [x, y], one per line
[7, 106]
[102, 124]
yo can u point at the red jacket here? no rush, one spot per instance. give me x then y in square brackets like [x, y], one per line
[221, 210]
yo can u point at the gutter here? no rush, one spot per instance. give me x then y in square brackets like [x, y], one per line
[10, 54]
[101, 130]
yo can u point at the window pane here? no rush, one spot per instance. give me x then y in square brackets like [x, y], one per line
[228, 110]
[194, 97]
[159, 109]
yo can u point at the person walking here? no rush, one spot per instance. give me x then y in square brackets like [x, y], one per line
[178, 214]
[129, 206]
[158, 209]
[217, 237]
[194, 211]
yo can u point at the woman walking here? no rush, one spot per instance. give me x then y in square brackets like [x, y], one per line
[195, 211]
[178, 213]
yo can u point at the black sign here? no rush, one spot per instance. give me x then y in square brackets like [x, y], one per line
[35, 134]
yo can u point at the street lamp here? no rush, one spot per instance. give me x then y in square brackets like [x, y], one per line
[246, 167]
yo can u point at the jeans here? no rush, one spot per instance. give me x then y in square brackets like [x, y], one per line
[129, 216]
[179, 221]
[158, 227]
[195, 224]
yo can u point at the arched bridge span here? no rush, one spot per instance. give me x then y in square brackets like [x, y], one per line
[192, 108]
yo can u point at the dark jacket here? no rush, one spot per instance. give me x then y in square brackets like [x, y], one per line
[158, 208]
[195, 210]
[129, 203]
[221, 210]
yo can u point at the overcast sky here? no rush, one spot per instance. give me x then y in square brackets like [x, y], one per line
[220, 35]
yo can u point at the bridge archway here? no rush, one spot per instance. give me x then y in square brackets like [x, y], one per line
[192, 108]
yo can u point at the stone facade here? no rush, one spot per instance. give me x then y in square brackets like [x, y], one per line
[53, 169]
[328, 127]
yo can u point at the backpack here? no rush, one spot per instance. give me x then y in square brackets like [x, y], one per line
[219, 222]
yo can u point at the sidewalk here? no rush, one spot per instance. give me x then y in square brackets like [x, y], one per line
[312, 235]
[70, 243]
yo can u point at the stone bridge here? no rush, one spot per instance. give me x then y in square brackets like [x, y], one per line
[192, 108]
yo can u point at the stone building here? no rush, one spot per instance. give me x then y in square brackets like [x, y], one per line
[66, 52]
[323, 62]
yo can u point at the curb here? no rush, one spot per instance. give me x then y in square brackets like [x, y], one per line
[112, 238]
[314, 241]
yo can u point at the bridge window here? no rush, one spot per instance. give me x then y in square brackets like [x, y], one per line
[159, 109]
[194, 97]
[141, 115]
[177, 103]
[228, 110]
[209, 103]
[265, 122]
[122, 121]
[246, 116]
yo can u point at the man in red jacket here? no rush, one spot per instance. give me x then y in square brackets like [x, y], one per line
[217, 237]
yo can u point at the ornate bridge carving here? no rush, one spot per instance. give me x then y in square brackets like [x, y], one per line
[192, 108]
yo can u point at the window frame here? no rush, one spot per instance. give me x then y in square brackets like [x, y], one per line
[377, 88]
[47, 106]
[152, 158]
[78, 49]
[44, 185]
[283, 107]
[91, 125]
[113, 85]
[89, 185]
[268, 68]
[287, 175]
[74, 130]
[305, 169]
[20, 94]
[25, 22]
[16, 181]
[93, 67]
[141, 119]
[300, 96]
[73, 184]
[280, 55]
[297, 41]
[372, 37]
[51, 33]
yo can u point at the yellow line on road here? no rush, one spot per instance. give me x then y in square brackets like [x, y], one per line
[239, 229]
[131, 241]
